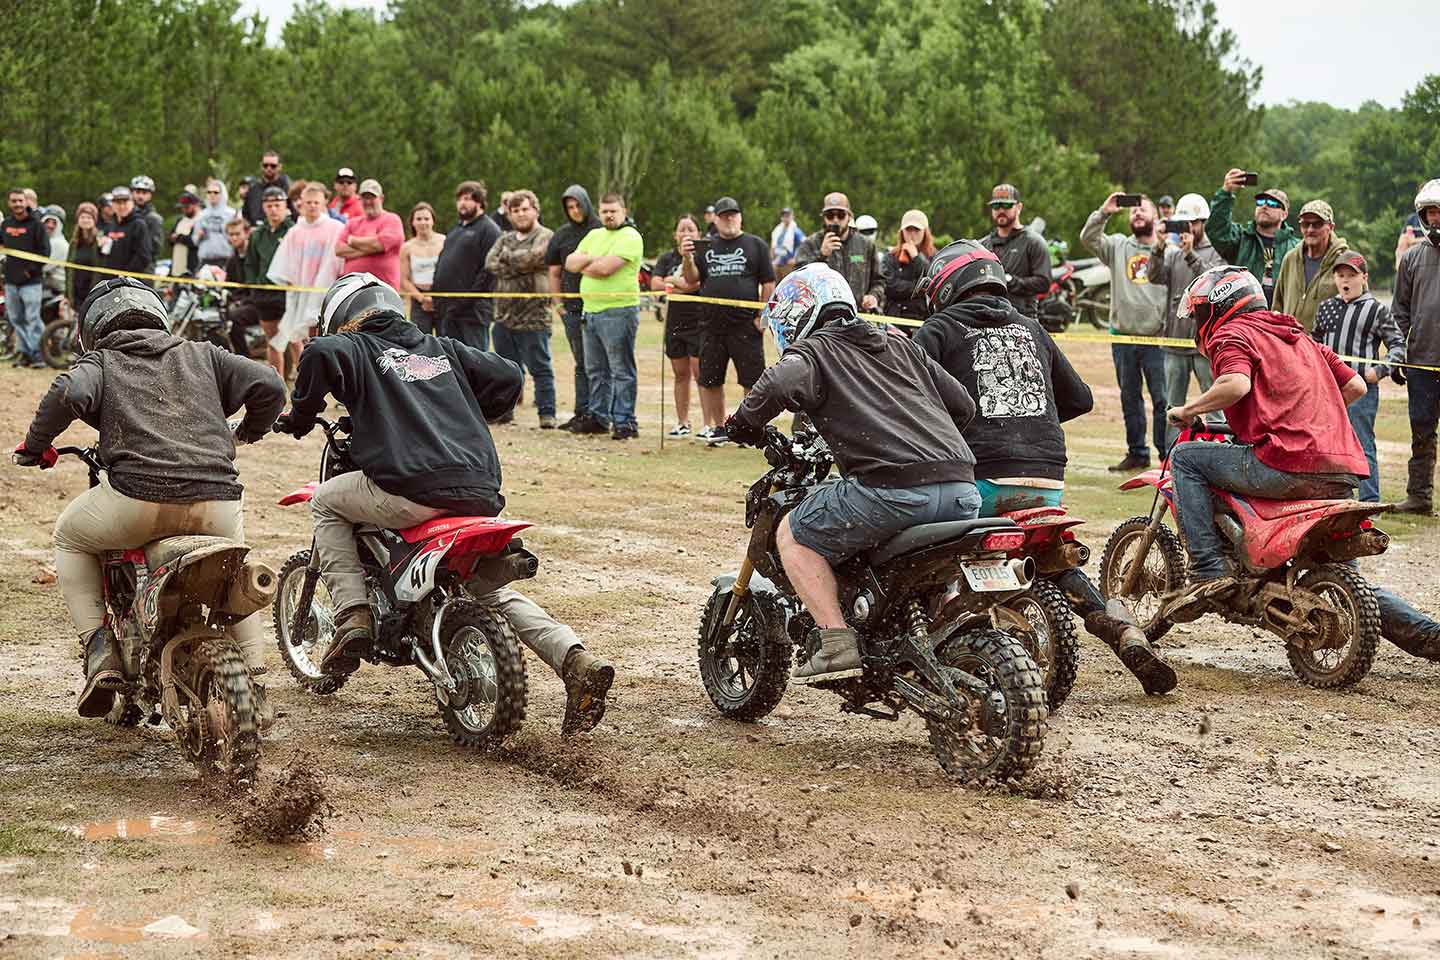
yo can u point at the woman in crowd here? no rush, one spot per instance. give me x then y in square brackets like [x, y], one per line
[682, 324]
[418, 257]
[85, 250]
[904, 267]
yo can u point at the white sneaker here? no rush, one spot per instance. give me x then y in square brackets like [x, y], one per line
[680, 430]
[704, 433]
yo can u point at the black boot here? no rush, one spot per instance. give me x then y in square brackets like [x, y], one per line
[1420, 488]
[1129, 643]
[102, 674]
[587, 683]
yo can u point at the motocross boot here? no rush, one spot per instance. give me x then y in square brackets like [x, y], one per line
[1420, 489]
[1117, 629]
[354, 629]
[837, 658]
[102, 674]
[587, 682]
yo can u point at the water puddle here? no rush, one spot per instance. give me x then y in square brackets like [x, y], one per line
[1392, 920]
[156, 826]
[57, 918]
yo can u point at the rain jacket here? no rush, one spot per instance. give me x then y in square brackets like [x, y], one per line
[1416, 304]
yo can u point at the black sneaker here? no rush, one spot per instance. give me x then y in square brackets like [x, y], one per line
[504, 418]
[625, 433]
[1130, 464]
[590, 425]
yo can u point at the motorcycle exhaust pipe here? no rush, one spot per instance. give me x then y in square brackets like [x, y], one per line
[1023, 568]
[252, 589]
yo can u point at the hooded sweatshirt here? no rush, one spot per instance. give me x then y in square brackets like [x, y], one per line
[210, 229]
[1294, 416]
[566, 239]
[1175, 269]
[1137, 306]
[1298, 298]
[1416, 304]
[891, 415]
[419, 406]
[305, 258]
[161, 405]
[1023, 386]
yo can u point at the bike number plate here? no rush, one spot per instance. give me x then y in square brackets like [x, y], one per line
[988, 577]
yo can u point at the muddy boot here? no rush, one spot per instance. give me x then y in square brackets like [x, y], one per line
[264, 709]
[837, 658]
[1420, 487]
[102, 674]
[1413, 504]
[587, 683]
[1129, 643]
[354, 629]
[1192, 601]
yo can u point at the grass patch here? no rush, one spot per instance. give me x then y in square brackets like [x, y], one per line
[29, 839]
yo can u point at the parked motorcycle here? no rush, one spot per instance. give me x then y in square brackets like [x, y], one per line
[1289, 557]
[1079, 289]
[422, 584]
[921, 604]
[169, 604]
[59, 343]
[198, 312]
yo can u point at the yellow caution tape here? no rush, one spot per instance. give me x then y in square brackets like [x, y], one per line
[1097, 337]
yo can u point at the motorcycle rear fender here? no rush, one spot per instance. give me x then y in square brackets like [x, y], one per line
[200, 576]
[758, 583]
[1273, 543]
[1154, 477]
[303, 495]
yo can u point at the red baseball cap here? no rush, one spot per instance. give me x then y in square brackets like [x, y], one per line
[1354, 260]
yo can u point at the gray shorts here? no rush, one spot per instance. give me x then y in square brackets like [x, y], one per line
[843, 517]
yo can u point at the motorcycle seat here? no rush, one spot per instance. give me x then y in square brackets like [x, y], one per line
[929, 534]
[160, 552]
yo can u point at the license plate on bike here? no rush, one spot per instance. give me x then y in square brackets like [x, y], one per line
[988, 577]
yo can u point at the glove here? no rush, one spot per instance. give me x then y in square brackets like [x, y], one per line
[285, 423]
[1398, 375]
[742, 431]
[25, 458]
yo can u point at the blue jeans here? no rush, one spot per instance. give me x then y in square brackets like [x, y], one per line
[1406, 627]
[610, 363]
[1197, 466]
[1362, 420]
[469, 331]
[530, 349]
[22, 306]
[1134, 363]
[575, 333]
[1423, 389]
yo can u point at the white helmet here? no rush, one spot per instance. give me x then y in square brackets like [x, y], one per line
[866, 223]
[1192, 206]
[1429, 196]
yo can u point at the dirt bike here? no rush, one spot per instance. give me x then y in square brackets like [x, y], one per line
[169, 604]
[198, 313]
[1291, 578]
[59, 343]
[422, 584]
[921, 604]
[1079, 289]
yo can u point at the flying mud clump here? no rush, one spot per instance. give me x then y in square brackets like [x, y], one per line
[291, 810]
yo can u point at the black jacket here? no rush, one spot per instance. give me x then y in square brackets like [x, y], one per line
[891, 415]
[418, 404]
[253, 208]
[161, 406]
[900, 282]
[28, 235]
[129, 245]
[1023, 386]
[567, 237]
[461, 268]
[155, 224]
[1026, 258]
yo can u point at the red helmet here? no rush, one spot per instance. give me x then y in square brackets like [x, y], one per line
[1217, 295]
[960, 267]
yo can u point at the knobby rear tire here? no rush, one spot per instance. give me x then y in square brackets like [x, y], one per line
[1057, 652]
[1357, 656]
[222, 672]
[503, 648]
[999, 659]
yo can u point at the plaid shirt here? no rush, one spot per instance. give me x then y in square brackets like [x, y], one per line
[1356, 329]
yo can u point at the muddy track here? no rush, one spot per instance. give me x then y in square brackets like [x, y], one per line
[1243, 816]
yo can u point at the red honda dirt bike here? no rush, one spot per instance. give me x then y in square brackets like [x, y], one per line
[169, 604]
[1289, 558]
[422, 584]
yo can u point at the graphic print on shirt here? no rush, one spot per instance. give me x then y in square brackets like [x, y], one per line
[1137, 268]
[411, 367]
[1009, 381]
[729, 264]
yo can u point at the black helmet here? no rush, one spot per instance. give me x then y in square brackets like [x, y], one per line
[1215, 296]
[957, 269]
[353, 294]
[120, 303]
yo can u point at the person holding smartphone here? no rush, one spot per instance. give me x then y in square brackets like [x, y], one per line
[1261, 245]
[842, 248]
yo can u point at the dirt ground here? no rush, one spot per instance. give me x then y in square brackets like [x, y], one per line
[1302, 824]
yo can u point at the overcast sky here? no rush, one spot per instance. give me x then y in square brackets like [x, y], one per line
[1338, 51]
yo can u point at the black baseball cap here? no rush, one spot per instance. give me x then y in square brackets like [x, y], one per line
[726, 205]
[273, 193]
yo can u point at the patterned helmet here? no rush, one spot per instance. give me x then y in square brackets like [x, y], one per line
[960, 267]
[1215, 296]
[353, 294]
[142, 182]
[804, 301]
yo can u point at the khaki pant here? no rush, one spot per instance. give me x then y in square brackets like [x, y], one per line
[351, 498]
[102, 519]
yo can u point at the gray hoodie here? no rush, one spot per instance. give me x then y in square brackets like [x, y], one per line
[1416, 304]
[210, 229]
[1174, 269]
[1137, 306]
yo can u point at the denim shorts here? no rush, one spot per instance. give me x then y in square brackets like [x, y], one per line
[843, 517]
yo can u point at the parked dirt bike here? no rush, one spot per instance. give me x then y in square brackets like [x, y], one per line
[198, 312]
[169, 604]
[422, 584]
[1289, 558]
[59, 343]
[1079, 289]
[1042, 616]
[921, 604]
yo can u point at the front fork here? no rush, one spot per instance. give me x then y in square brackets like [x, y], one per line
[1132, 576]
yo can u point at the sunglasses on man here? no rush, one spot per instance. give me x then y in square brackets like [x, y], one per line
[835, 216]
[1270, 202]
[1002, 204]
[269, 166]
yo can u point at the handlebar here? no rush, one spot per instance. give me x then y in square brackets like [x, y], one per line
[90, 456]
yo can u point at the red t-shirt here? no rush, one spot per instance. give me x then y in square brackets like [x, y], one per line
[347, 207]
[388, 230]
[1294, 415]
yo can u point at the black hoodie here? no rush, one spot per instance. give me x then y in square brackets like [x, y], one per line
[567, 238]
[1023, 386]
[418, 405]
[890, 414]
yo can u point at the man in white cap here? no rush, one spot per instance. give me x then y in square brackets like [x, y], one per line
[345, 205]
[371, 242]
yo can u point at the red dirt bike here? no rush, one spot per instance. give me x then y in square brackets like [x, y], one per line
[422, 584]
[169, 604]
[1291, 578]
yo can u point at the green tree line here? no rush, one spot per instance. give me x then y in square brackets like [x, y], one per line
[676, 103]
